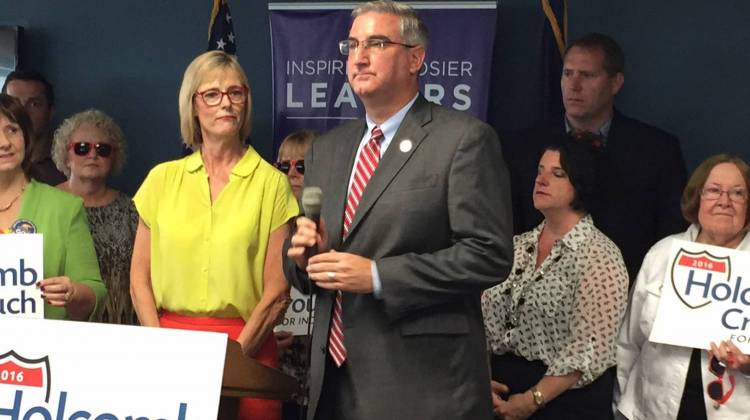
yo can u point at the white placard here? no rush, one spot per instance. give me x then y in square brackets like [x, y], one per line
[705, 297]
[21, 266]
[55, 369]
[297, 317]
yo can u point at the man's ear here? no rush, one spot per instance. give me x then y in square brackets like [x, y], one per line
[416, 59]
[617, 81]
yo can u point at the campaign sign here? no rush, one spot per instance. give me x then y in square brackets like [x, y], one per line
[297, 316]
[66, 370]
[21, 267]
[705, 297]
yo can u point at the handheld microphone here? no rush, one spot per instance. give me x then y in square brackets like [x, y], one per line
[311, 204]
[311, 198]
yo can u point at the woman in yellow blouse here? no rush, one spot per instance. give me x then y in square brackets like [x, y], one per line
[207, 252]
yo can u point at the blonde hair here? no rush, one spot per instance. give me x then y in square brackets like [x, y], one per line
[98, 119]
[297, 143]
[195, 75]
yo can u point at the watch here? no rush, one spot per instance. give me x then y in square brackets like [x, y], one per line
[538, 397]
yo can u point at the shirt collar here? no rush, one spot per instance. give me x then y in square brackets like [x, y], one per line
[193, 162]
[574, 239]
[602, 131]
[250, 160]
[579, 235]
[391, 125]
[694, 229]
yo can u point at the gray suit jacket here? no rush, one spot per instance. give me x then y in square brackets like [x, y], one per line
[437, 221]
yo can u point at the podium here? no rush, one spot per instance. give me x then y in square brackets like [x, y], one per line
[245, 377]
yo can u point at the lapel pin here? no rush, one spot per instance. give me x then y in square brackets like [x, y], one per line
[23, 226]
[404, 145]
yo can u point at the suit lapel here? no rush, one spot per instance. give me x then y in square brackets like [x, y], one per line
[346, 150]
[411, 129]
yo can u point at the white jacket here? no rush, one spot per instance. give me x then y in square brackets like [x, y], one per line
[651, 376]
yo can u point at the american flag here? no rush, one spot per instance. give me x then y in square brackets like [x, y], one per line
[221, 30]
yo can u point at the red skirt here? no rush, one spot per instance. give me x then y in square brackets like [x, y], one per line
[250, 408]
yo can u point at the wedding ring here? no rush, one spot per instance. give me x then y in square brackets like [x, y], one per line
[331, 275]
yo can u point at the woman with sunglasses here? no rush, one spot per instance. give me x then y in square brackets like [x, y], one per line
[207, 250]
[291, 159]
[293, 350]
[72, 286]
[551, 326]
[89, 147]
[664, 382]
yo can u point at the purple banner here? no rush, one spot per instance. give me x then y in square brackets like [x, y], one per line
[309, 73]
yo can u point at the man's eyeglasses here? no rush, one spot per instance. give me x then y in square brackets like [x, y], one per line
[213, 97]
[715, 388]
[285, 165]
[348, 46]
[83, 148]
[738, 195]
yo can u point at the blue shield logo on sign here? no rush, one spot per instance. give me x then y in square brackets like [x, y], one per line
[696, 274]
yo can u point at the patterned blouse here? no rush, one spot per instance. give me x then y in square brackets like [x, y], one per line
[566, 312]
[294, 362]
[113, 229]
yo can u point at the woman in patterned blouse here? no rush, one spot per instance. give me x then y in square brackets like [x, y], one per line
[89, 147]
[551, 326]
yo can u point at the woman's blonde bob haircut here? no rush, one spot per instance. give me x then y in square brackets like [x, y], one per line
[203, 66]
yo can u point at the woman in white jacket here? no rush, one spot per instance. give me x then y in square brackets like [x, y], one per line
[664, 382]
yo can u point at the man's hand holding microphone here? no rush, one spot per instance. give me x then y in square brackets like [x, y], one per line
[310, 250]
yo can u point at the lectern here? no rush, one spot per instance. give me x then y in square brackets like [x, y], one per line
[245, 377]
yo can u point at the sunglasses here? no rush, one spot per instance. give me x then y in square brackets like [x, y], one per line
[83, 148]
[285, 165]
[715, 388]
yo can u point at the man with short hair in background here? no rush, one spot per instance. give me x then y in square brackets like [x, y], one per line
[642, 171]
[38, 97]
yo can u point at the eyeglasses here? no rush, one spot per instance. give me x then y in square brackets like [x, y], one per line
[83, 148]
[715, 389]
[213, 97]
[737, 195]
[377, 44]
[286, 165]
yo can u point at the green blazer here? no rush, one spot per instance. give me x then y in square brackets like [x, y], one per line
[68, 247]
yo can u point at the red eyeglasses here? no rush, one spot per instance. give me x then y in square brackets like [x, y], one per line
[715, 388]
[285, 165]
[83, 148]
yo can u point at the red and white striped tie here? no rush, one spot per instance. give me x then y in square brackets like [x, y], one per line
[366, 163]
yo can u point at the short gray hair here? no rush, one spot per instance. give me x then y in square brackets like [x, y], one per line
[413, 29]
[99, 120]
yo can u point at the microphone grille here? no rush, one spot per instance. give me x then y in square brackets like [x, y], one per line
[311, 198]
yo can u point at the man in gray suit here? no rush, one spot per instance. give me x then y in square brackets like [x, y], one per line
[415, 223]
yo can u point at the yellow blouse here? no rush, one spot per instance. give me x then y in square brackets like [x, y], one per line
[207, 259]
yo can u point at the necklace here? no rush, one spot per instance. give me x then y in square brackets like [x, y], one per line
[5, 208]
